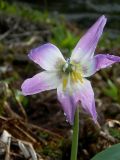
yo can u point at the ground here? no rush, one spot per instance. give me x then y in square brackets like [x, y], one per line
[39, 119]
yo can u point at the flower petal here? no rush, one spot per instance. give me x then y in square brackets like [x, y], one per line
[103, 61]
[86, 46]
[40, 82]
[88, 67]
[68, 103]
[76, 92]
[98, 62]
[84, 93]
[47, 56]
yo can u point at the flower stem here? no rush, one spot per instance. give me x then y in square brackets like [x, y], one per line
[74, 148]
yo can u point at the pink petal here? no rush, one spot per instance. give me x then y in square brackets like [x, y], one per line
[103, 61]
[84, 93]
[68, 103]
[86, 46]
[47, 56]
[88, 67]
[98, 62]
[69, 99]
[40, 82]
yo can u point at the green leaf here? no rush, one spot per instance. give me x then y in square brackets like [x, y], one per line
[112, 153]
[111, 90]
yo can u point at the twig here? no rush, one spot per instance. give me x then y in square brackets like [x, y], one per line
[26, 134]
[26, 147]
[6, 138]
[9, 111]
[21, 108]
[44, 130]
[107, 137]
[25, 44]
[3, 36]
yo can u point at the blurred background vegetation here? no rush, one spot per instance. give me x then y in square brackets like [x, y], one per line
[27, 24]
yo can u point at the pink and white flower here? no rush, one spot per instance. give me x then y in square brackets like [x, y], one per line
[69, 76]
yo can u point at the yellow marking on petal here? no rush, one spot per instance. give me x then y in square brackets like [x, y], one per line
[76, 76]
[79, 76]
[65, 79]
[73, 76]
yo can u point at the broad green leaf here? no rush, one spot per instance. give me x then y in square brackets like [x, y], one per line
[112, 153]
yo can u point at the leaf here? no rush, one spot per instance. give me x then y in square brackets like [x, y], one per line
[111, 90]
[112, 153]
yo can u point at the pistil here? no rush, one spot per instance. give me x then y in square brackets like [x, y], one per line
[72, 71]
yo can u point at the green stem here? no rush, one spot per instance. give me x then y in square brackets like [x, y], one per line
[74, 148]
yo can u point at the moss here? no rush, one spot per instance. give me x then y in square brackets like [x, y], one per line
[23, 10]
[115, 132]
[53, 145]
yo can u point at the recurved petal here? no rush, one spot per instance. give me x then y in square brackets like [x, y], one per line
[47, 56]
[68, 103]
[79, 92]
[105, 60]
[84, 93]
[40, 82]
[86, 46]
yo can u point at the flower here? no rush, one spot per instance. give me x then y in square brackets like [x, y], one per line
[69, 76]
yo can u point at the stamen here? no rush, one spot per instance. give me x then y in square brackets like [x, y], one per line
[68, 60]
[73, 76]
[79, 76]
[65, 67]
[71, 71]
[76, 76]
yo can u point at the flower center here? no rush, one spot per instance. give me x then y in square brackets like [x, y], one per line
[72, 72]
[68, 67]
